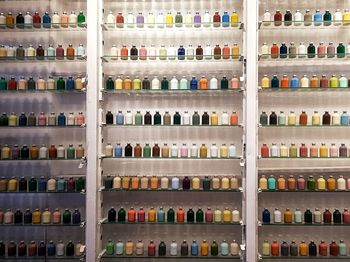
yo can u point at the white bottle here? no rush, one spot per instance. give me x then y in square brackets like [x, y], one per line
[11, 51]
[214, 151]
[152, 53]
[30, 51]
[235, 216]
[234, 248]
[186, 118]
[60, 248]
[194, 151]
[155, 85]
[208, 52]
[264, 50]
[73, 19]
[160, 20]
[341, 183]
[117, 182]
[174, 84]
[114, 52]
[171, 52]
[109, 150]
[174, 151]
[110, 20]
[56, 20]
[304, 81]
[183, 83]
[70, 119]
[28, 20]
[151, 20]
[298, 18]
[336, 119]
[274, 150]
[128, 118]
[3, 20]
[277, 215]
[164, 183]
[173, 248]
[283, 150]
[337, 17]
[232, 152]
[301, 50]
[81, 50]
[206, 19]
[130, 20]
[43, 152]
[213, 84]
[225, 119]
[60, 151]
[188, 19]
[267, 18]
[190, 52]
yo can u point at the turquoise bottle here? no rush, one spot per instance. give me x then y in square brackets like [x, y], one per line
[3, 83]
[275, 82]
[161, 215]
[109, 83]
[164, 84]
[271, 182]
[119, 248]
[224, 83]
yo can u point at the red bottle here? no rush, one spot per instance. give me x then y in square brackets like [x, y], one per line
[275, 51]
[180, 215]
[346, 216]
[265, 151]
[60, 52]
[327, 217]
[32, 249]
[141, 215]
[12, 84]
[209, 215]
[303, 118]
[303, 151]
[36, 20]
[216, 18]
[120, 19]
[333, 249]
[52, 152]
[324, 83]
[275, 248]
[151, 249]
[322, 249]
[277, 18]
[131, 215]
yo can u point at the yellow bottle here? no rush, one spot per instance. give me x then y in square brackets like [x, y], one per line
[292, 119]
[36, 216]
[265, 82]
[12, 184]
[227, 215]
[234, 19]
[321, 183]
[203, 152]
[323, 150]
[144, 182]
[129, 248]
[169, 20]
[266, 248]
[46, 216]
[331, 183]
[12, 119]
[125, 182]
[316, 119]
[223, 151]
[214, 119]
[225, 183]
[204, 248]
[263, 182]
[346, 17]
[151, 215]
[6, 152]
[333, 82]
[118, 83]
[196, 183]
[235, 51]
[136, 83]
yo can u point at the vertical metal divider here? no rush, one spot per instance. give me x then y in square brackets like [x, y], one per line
[251, 44]
[92, 129]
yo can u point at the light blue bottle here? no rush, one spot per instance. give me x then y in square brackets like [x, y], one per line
[119, 248]
[294, 82]
[344, 119]
[194, 248]
[119, 118]
[343, 81]
[50, 52]
[61, 184]
[175, 183]
[160, 215]
[271, 183]
[225, 19]
[342, 248]
[118, 151]
[183, 83]
[224, 248]
[318, 18]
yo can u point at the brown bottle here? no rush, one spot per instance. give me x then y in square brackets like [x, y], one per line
[303, 119]
[70, 52]
[326, 119]
[138, 151]
[34, 152]
[217, 52]
[52, 152]
[291, 183]
[156, 151]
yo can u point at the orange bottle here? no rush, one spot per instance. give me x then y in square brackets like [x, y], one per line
[10, 20]
[151, 215]
[303, 249]
[234, 119]
[303, 119]
[281, 183]
[331, 183]
[131, 215]
[127, 83]
[137, 151]
[204, 248]
[288, 216]
[180, 215]
[70, 52]
[314, 82]
[124, 53]
[203, 83]
[235, 51]
[274, 51]
[135, 182]
[292, 183]
[154, 182]
[285, 82]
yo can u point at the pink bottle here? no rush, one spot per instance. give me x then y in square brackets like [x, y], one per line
[346, 216]
[313, 151]
[141, 215]
[60, 52]
[234, 82]
[64, 19]
[226, 52]
[333, 151]
[42, 119]
[80, 119]
[301, 183]
[209, 215]
[184, 151]
[143, 53]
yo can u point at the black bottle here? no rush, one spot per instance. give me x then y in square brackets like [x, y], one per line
[128, 150]
[162, 249]
[312, 249]
[109, 118]
[205, 119]
[288, 17]
[32, 185]
[27, 217]
[42, 249]
[18, 217]
[184, 249]
[273, 119]
[284, 249]
[206, 184]
[308, 216]
[157, 119]
[147, 118]
[2, 249]
[22, 119]
[186, 183]
[22, 185]
[108, 182]
[177, 119]
[146, 84]
[112, 215]
[336, 217]
[20, 20]
[70, 249]
[190, 216]
[24, 152]
[326, 119]
[133, 53]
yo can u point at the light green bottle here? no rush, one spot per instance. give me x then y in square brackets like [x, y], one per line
[138, 118]
[343, 81]
[162, 53]
[333, 82]
[147, 151]
[183, 83]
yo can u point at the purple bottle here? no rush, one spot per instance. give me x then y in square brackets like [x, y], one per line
[15, 152]
[197, 19]
[140, 20]
[301, 183]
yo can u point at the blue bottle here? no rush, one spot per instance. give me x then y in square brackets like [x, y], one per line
[318, 18]
[47, 20]
[118, 151]
[61, 119]
[194, 83]
[181, 53]
[224, 248]
[266, 216]
[119, 118]
[160, 215]
[294, 82]
[344, 119]
[119, 248]
[70, 83]
[283, 51]
[194, 248]
[22, 119]
[175, 183]
[76, 217]
[51, 249]
[271, 183]
[275, 82]
[42, 184]
[61, 185]
[225, 19]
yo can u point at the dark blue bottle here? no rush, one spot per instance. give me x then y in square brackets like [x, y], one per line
[27, 217]
[76, 218]
[42, 184]
[61, 119]
[194, 83]
[225, 19]
[70, 83]
[181, 53]
[22, 119]
[275, 82]
[266, 216]
[194, 248]
[283, 51]
[46, 20]
[51, 249]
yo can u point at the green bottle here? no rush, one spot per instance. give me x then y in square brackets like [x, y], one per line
[4, 119]
[32, 184]
[110, 83]
[196, 119]
[70, 249]
[80, 184]
[60, 84]
[341, 50]
[31, 83]
[177, 119]
[121, 215]
[164, 84]
[3, 83]
[70, 152]
[214, 248]
[110, 248]
[147, 151]
[311, 50]
[327, 18]
[311, 183]
[224, 83]
[138, 118]
[170, 215]
[199, 216]
[293, 151]
[157, 119]
[66, 216]
[81, 19]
